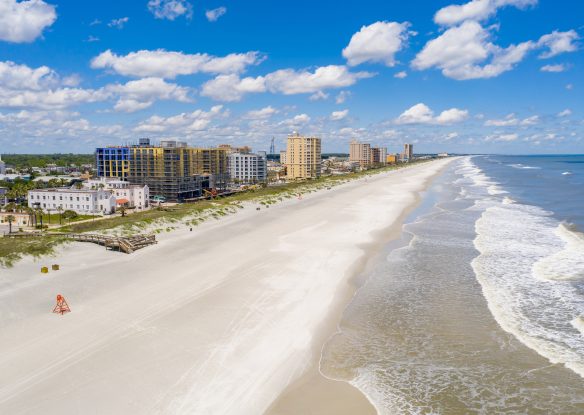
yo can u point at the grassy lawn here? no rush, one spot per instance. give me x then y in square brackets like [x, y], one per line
[167, 218]
[53, 218]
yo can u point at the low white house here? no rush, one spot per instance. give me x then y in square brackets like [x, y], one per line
[127, 194]
[82, 201]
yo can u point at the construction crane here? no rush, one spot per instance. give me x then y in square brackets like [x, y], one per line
[273, 146]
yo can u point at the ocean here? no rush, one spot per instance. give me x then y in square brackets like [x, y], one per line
[479, 307]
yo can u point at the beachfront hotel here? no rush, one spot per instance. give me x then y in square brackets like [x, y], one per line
[171, 170]
[365, 155]
[408, 153]
[248, 168]
[302, 157]
[360, 153]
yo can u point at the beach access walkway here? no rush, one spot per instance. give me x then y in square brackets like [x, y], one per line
[127, 244]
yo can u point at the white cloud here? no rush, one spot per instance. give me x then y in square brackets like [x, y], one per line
[182, 123]
[476, 10]
[401, 75]
[422, 114]
[14, 76]
[342, 97]
[24, 21]
[460, 51]
[569, 87]
[284, 81]
[22, 87]
[290, 81]
[452, 116]
[142, 93]
[165, 64]
[232, 88]
[339, 115]
[451, 136]
[215, 14]
[294, 122]
[502, 137]
[301, 119]
[318, 96]
[565, 113]
[71, 80]
[261, 114]
[378, 42]
[50, 99]
[118, 23]
[170, 9]
[553, 68]
[558, 42]
[512, 120]
[91, 39]
[40, 128]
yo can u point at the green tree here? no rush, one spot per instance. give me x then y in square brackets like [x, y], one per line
[39, 211]
[69, 214]
[10, 219]
[60, 210]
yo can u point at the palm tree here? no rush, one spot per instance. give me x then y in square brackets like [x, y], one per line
[39, 210]
[10, 219]
[31, 217]
[60, 210]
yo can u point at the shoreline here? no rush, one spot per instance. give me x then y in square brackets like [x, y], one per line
[218, 320]
[313, 391]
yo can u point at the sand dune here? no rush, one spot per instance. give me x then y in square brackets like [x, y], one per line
[216, 321]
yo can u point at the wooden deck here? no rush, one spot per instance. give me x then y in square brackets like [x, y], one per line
[127, 244]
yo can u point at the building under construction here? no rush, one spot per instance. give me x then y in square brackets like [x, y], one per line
[172, 170]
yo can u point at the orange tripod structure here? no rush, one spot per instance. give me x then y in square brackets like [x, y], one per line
[62, 307]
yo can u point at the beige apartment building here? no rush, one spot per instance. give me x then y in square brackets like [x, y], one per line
[302, 157]
[360, 153]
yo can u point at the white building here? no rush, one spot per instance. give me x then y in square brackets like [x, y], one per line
[2, 166]
[82, 201]
[248, 167]
[127, 194]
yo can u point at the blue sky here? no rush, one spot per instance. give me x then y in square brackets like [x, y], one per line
[500, 76]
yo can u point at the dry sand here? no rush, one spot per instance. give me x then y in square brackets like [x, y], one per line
[216, 321]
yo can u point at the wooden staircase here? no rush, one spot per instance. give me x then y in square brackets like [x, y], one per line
[127, 244]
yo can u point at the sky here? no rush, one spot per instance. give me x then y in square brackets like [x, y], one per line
[481, 76]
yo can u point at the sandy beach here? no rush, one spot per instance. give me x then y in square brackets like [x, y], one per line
[229, 318]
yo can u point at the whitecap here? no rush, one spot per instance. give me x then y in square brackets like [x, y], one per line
[567, 263]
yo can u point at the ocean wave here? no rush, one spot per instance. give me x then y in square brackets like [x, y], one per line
[526, 267]
[578, 324]
[567, 173]
[471, 172]
[568, 262]
[523, 166]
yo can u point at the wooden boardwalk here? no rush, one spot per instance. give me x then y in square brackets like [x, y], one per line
[127, 244]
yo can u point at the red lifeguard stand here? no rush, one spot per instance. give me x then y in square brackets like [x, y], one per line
[62, 307]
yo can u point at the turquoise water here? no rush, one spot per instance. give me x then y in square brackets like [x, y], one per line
[479, 308]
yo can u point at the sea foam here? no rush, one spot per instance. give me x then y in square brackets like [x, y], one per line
[526, 267]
